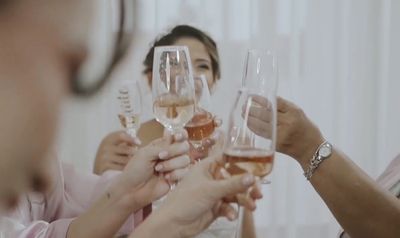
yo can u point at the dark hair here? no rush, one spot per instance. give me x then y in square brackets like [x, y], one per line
[4, 4]
[181, 31]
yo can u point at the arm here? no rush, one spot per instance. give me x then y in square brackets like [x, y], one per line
[103, 219]
[154, 226]
[106, 216]
[70, 195]
[357, 202]
[248, 227]
[137, 186]
[114, 152]
[12, 227]
[361, 207]
[197, 201]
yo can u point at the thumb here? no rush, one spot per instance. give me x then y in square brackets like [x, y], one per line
[233, 185]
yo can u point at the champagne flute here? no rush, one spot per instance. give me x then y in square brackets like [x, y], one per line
[202, 124]
[130, 102]
[172, 87]
[246, 151]
[247, 148]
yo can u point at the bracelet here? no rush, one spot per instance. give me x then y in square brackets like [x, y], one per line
[318, 158]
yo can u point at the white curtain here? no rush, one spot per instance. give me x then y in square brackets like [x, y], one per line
[338, 61]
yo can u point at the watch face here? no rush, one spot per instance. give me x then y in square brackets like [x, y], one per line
[325, 151]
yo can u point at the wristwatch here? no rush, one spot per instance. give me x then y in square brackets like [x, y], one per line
[323, 152]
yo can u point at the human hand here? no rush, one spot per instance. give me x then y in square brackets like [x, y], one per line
[297, 136]
[114, 152]
[149, 174]
[204, 195]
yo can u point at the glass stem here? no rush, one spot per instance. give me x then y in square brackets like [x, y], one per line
[131, 132]
[239, 227]
[130, 129]
[173, 130]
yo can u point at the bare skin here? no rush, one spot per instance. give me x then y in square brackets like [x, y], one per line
[30, 94]
[38, 33]
[200, 213]
[108, 158]
[361, 207]
[201, 63]
[150, 130]
[147, 177]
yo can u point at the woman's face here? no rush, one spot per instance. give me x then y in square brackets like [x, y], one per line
[201, 60]
[30, 99]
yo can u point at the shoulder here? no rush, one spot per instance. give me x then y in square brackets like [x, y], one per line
[150, 124]
[150, 131]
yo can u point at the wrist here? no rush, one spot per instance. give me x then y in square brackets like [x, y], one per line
[309, 149]
[123, 195]
[158, 224]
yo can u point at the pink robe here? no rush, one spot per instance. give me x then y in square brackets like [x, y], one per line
[72, 194]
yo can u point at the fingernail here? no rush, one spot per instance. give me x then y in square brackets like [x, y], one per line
[163, 155]
[158, 167]
[167, 177]
[248, 180]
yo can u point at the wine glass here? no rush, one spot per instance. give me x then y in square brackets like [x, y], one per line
[202, 124]
[202, 92]
[130, 102]
[249, 147]
[173, 87]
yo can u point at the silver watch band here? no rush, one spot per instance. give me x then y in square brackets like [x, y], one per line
[316, 160]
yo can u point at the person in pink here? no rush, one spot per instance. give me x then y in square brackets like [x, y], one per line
[43, 47]
[70, 200]
[71, 195]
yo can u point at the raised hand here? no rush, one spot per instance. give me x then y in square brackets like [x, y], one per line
[114, 152]
[154, 168]
[295, 131]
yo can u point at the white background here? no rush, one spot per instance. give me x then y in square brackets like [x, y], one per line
[339, 60]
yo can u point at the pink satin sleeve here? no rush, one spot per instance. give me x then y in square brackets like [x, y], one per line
[72, 194]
